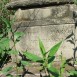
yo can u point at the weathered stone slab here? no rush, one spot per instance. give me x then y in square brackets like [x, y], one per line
[45, 16]
[27, 4]
[51, 24]
[50, 35]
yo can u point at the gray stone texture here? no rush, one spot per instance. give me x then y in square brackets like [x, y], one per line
[51, 24]
[25, 4]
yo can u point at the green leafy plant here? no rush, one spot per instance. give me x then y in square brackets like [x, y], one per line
[6, 71]
[62, 65]
[6, 51]
[5, 42]
[46, 60]
[4, 39]
[5, 14]
[75, 1]
[4, 47]
[73, 73]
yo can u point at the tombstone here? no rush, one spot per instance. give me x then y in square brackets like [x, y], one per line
[52, 21]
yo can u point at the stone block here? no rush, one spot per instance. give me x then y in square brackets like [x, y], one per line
[50, 35]
[47, 15]
[51, 24]
[29, 4]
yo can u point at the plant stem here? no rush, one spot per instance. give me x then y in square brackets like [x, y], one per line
[75, 42]
[13, 46]
[46, 72]
[15, 55]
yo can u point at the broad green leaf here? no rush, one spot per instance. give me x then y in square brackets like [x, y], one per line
[75, 62]
[72, 73]
[54, 49]
[25, 63]
[6, 70]
[15, 52]
[18, 35]
[51, 59]
[7, 23]
[9, 75]
[20, 68]
[1, 35]
[53, 71]
[32, 57]
[42, 48]
[4, 43]
[75, 1]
